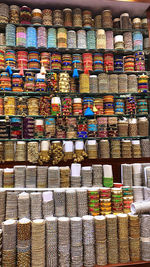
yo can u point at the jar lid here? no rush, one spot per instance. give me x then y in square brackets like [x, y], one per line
[56, 100]
[91, 142]
[116, 189]
[93, 189]
[71, 31]
[106, 10]
[123, 120]
[56, 142]
[98, 16]
[133, 120]
[36, 10]
[136, 142]
[116, 20]
[77, 100]
[143, 119]
[93, 76]
[57, 10]
[124, 15]
[21, 143]
[100, 31]
[14, 7]
[40, 76]
[8, 170]
[67, 9]
[25, 7]
[75, 169]
[68, 146]
[121, 215]
[144, 20]
[103, 141]
[87, 168]
[129, 197]
[118, 38]
[136, 20]
[16, 75]
[45, 144]
[79, 145]
[99, 218]
[111, 216]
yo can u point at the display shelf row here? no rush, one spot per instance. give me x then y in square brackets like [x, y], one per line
[116, 30]
[74, 50]
[147, 72]
[96, 62]
[75, 139]
[76, 116]
[143, 263]
[70, 94]
[52, 177]
[38, 189]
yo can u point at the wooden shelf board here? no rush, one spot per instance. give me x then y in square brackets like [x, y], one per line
[126, 264]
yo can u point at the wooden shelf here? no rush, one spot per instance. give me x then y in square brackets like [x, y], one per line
[116, 30]
[141, 263]
[74, 50]
[116, 164]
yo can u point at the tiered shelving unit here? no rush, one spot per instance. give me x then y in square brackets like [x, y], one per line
[115, 162]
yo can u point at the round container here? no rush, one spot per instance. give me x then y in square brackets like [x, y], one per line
[36, 16]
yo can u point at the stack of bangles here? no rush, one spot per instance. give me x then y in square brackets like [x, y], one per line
[45, 106]
[108, 105]
[55, 106]
[40, 85]
[33, 60]
[2, 59]
[17, 82]
[92, 128]
[29, 84]
[98, 106]
[16, 128]
[129, 63]
[45, 60]
[108, 62]
[139, 61]
[66, 106]
[87, 103]
[116, 198]
[119, 106]
[10, 58]
[5, 81]
[143, 83]
[77, 106]
[142, 107]
[98, 62]
[82, 128]
[118, 63]
[22, 59]
[102, 127]
[127, 201]
[105, 201]
[1, 106]
[93, 202]
[66, 62]
[87, 61]
[56, 61]
[127, 198]
[130, 106]
[77, 62]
